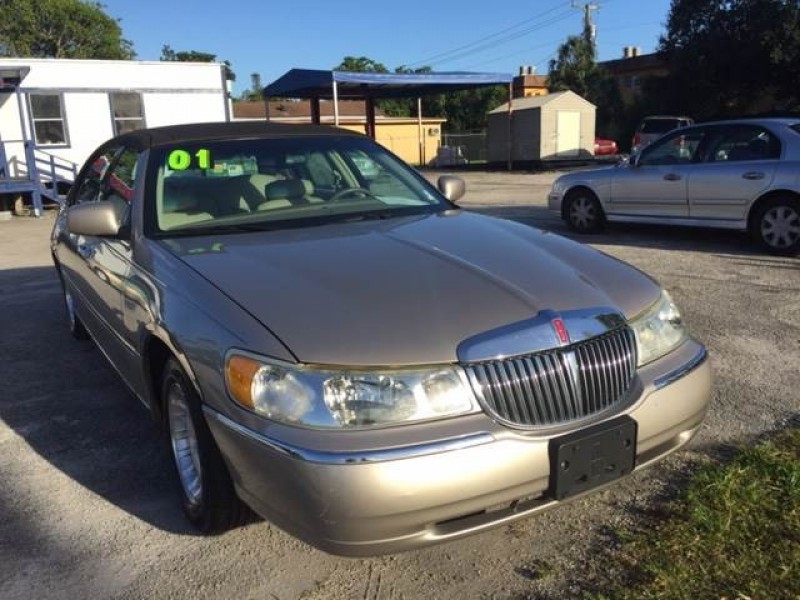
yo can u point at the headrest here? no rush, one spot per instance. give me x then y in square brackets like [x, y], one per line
[285, 188]
[180, 195]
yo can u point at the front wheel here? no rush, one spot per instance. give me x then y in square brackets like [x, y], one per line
[777, 225]
[208, 497]
[583, 212]
[76, 327]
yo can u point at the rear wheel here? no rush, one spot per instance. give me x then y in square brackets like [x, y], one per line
[583, 212]
[208, 497]
[776, 225]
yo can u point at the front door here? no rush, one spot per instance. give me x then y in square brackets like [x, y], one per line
[657, 183]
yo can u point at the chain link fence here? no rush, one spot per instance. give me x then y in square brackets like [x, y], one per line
[469, 147]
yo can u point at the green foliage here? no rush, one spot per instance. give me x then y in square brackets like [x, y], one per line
[60, 29]
[168, 55]
[732, 57]
[360, 64]
[734, 533]
[576, 69]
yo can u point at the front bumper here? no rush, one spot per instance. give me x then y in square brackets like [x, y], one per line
[554, 201]
[399, 498]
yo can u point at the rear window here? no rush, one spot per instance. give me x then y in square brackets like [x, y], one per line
[796, 127]
[660, 125]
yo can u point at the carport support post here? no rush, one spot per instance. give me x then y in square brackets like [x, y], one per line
[335, 104]
[370, 106]
[316, 118]
[510, 126]
[419, 133]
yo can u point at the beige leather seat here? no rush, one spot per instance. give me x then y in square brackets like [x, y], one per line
[181, 205]
[283, 193]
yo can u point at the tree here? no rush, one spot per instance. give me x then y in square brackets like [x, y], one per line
[360, 64]
[60, 29]
[169, 55]
[576, 69]
[732, 57]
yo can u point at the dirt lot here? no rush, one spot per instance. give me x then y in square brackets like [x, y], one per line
[88, 509]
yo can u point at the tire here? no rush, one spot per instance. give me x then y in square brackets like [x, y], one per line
[76, 327]
[776, 225]
[583, 213]
[206, 490]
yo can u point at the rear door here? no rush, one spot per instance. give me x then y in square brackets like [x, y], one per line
[739, 164]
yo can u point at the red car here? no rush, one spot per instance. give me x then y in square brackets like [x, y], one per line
[604, 147]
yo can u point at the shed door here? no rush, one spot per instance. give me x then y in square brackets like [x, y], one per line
[568, 133]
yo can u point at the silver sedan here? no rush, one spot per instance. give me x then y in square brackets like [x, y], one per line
[742, 174]
[329, 341]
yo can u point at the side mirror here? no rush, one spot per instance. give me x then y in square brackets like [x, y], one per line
[452, 187]
[102, 219]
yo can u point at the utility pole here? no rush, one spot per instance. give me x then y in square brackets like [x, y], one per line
[589, 28]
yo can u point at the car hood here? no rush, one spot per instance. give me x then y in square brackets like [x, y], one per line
[408, 290]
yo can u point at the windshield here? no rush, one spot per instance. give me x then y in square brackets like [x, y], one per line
[659, 125]
[279, 182]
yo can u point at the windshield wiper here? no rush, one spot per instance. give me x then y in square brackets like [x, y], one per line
[220, 228]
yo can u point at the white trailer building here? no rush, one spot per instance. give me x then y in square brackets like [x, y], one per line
[55, 112]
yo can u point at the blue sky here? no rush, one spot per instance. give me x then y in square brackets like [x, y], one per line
[270, 38]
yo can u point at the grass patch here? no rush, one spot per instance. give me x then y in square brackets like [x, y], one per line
[733, 534]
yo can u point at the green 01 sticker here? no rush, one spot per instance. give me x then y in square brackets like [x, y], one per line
[180, 160]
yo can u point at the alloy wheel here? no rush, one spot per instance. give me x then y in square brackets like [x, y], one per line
[780, 227]
[583, 213]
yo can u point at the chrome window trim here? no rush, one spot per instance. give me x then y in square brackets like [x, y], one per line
[353, 457]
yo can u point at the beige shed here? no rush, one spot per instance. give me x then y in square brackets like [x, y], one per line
[557, 126]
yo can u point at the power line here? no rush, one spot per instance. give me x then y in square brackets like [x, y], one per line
[445, 56]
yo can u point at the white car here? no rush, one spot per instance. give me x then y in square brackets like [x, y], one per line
[740, 174]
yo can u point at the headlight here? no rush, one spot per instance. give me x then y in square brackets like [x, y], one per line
[302, 395]
[659, 330]
[558, 187]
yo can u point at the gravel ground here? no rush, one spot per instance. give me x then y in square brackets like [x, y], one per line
[88, 508]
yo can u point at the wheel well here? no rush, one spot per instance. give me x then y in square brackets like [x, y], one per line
[763, 200]
[156, 355]
[572, 192]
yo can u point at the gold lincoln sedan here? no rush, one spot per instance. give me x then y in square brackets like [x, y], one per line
[330, 342]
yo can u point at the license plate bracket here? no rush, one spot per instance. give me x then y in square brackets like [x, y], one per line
[588, 458]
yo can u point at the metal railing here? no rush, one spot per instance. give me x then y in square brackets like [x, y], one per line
[39, 173]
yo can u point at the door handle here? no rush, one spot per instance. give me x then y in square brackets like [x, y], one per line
[753, 175]
[672, 177]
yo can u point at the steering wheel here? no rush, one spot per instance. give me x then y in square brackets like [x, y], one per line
[351, 192]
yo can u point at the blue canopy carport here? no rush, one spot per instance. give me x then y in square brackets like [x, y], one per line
[313, 84]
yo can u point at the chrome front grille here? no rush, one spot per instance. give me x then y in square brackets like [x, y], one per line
[559, 385]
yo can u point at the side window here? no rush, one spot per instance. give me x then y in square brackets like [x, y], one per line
[118, 184]
[127, 111]
[89, 186]
[743, 142]
[49, 124]
[675, 149]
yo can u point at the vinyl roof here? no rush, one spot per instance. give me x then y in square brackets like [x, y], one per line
[311, 83]
[191, 132]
